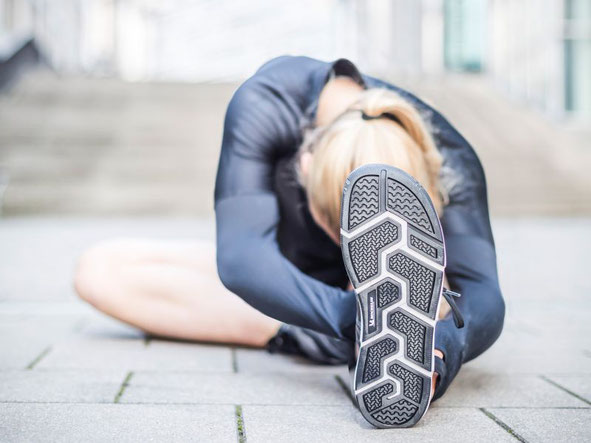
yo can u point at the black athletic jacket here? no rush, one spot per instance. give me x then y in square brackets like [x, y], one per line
[272, 254]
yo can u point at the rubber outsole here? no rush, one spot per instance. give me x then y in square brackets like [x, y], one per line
[394, 254]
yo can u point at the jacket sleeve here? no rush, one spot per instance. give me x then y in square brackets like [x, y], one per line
[259, 123]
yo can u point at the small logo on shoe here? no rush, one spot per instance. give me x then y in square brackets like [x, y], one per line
[371, 312]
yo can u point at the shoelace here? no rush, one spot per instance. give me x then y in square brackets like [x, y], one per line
[449, 296]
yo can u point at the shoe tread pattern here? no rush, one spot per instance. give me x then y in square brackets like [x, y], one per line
[374, 398]
[415, 334]
[422, 246]
[412, 384]
[375, 355]
[421, 280]
[364, 250]
[403, 201]
[388, 293]
[364, 202]
[396, 414]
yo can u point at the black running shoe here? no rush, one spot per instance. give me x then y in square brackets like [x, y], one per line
[394, 254]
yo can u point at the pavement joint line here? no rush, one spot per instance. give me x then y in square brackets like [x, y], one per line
[160, 403]
[234, 360]
[503, 425]
[123, 386]
[25, 402]
[518, 407]
[191, 372]
[345, 388]
[37, 359]
[159, 371]
[240, 427]
[568, 391]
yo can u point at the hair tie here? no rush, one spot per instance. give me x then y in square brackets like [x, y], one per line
[386, 115]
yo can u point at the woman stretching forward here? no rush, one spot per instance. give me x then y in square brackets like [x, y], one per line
[328, 180]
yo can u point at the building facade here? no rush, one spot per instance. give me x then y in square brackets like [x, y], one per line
[538, 51]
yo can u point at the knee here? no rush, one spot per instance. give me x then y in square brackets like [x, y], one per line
[94, 271]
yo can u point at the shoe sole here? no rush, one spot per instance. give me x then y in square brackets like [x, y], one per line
[394, 254]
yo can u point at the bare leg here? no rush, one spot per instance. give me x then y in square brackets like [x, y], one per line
[169, 288]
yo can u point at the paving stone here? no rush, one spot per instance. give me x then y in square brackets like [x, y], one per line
[135, 355]
[179, 356]
[500, 360]
[524, 352]
[261, 361]
[24, 338]
[280, 389]
[553, 323]
[73, 307]
[344, 423]
[478, 388]
[579, 384]
[518, 242]
[60, 386]
[548, 425]
[529, 339]
[99, 423]
[87, 353]
[99, 325]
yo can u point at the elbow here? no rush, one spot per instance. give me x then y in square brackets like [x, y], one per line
[232, 269]
[226, 262]
[487, 322]
[496, 316]
[500, 311]
[242, 272]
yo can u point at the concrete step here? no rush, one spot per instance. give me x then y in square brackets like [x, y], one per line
[103, 146]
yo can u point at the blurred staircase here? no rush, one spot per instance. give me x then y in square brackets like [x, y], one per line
[106, 147]
[90, 146]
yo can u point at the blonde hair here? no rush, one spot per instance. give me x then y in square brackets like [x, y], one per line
[350, 141]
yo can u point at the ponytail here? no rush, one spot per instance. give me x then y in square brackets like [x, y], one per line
[378, 102]
[380, 127]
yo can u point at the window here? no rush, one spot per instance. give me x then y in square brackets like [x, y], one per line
[577, 57]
